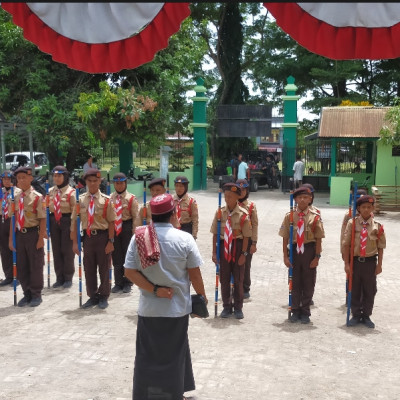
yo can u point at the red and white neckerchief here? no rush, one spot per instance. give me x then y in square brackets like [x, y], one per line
[21, 215]
[363, 239]
[228, 238]
[178, 209]
[90, 215]
[118, 219]
[300, 234]
[57, 206]
[5, 205]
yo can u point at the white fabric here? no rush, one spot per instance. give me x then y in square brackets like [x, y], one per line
[369, 15]
[242, 170]
[298, 168]
[96, 22]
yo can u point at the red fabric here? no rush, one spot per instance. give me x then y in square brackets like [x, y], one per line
[90, 215]
[57, 206]
[363, 239]
[228, 238]
[147, 244]
[118, 219]
[101, 58]
[5, 208]
[300, 234]
[21, 215]
[337, 43]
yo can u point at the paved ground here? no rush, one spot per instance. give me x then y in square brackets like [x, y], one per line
[58, 351]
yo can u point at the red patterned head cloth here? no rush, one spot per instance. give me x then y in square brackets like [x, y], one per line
[365, 199]
[162, 204]
[147, 244]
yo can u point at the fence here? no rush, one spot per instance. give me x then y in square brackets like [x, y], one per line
[387, 198]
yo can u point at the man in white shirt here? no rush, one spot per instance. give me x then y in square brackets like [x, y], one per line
[242, 170]
[298, 168]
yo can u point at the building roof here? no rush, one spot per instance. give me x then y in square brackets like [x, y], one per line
[352, 122]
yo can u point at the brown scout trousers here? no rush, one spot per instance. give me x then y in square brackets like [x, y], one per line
[6, 253]
[30, 263]
[225, 271]
[247, 278]
[94, 255]
[303, 279]
[61, 246]
[364, 287]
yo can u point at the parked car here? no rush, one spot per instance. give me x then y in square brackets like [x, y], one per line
[19, 159]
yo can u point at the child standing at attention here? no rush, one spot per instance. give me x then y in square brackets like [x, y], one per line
[308, 232]
[369, 242]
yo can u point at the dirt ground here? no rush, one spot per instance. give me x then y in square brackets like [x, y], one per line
[58, 351]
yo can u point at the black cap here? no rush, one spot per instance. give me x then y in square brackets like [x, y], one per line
[232, 187]
[25, 170]
[92, 172]
[302, 190]
[157, 181]
[365, 199]
[242, 183]
[181, 179]
[119, 177]
[60, 169]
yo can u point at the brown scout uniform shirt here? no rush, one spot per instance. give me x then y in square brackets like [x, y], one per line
[31, 216]
[68, 199]
[240, 227]
[127, 214]
[186, 216]
[9, 200]
[252, 210]
[99, 223]
[313, 228]
[376, 236]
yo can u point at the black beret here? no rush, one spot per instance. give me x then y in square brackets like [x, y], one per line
[232, 187]
[302, 190]
[157, 181]
[365, 199]
[60, 169]
[181, 179]
[119, 177]
[92, 172]
[6, 174]
[25, 170]
[242, 183]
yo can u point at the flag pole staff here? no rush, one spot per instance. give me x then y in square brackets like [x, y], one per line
[217, 264]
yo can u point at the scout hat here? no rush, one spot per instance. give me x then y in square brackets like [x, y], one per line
[181, 179]
[157, 181]
[302, 190]
[232, 187]
[162, 204]
[119, 177]
[6, 174]
[242, 183]
[365, 199]
[25, 170]
[361, 192]
[311, 187]
[60, 169]
[92, 172]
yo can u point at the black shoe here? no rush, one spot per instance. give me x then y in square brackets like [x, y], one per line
[57, 284]
[246, 295]
[93, 301]
[238, 314]
[24, 301]
[354, 321]
[116, 289]
[294, 317]
[368, 323]
[226, 312]
[304, 319]
[67, 284]
[103, 303]
[127, 288]
[35, 301]
[6, 281]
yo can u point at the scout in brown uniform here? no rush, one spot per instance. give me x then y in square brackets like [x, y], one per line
[157, 187]
[97, 216]
[30, 223]
[186, 207]
[234, 238]
[369, 242]
[62, 201]
[308, 232]
[126, 209]
[251, 208]
[6, 253]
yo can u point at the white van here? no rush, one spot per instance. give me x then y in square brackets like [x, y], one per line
[22, 158]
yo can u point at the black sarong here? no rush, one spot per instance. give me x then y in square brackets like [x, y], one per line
[163, 367]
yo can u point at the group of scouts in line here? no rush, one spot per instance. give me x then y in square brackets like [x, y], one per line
[109, 222]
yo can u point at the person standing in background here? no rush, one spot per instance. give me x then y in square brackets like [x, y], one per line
[298, 168]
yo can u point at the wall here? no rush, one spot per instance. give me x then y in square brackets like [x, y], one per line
[386, 171]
